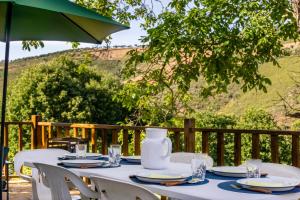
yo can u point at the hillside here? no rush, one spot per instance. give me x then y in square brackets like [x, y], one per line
[235, 102]
[282, 84]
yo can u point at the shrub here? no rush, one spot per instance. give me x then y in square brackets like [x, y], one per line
[63, 90]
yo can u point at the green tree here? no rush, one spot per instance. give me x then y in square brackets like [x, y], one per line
[219, 42]
[66, 91]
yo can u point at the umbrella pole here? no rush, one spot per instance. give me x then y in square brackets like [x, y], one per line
[3, 110]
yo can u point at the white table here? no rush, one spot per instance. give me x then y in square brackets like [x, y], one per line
[209, 191]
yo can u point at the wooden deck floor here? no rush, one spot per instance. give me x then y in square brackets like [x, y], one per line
[21, 190]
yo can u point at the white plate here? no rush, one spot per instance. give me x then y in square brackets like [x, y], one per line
[276, 184]
[157, 177]
[91, 156]
[132, 159]
[83, 163]
[240, 172]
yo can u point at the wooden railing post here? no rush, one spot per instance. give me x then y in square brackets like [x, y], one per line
[35, 132]
[295, 150]
[205, 147]
[59, 131]
[44, 137]
[20, 137]
[177, 145]
[237, 149]
[125, 142]
[137, 142]
[189, 135]
[75, 132]
[50, 135]
[6, 135]
[94, 140]
[274, 148]
[255, 146]
[104, 141]
[115, 136]
[84, 133]
[220, 149]
[67, 129]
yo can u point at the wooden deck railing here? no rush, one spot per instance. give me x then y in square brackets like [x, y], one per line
[184, 139]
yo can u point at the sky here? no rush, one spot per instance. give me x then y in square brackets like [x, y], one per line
[126, 37]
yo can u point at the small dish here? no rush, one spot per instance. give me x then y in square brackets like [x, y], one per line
[239, 172]
[83, 163]
[158, 177]
[90, 156]
[276, 184]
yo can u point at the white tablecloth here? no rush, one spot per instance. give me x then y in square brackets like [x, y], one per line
[209, 191]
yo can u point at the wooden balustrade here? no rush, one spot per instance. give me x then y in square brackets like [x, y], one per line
[189, 142]
[184, 139]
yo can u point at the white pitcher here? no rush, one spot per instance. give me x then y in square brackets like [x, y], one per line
[156, 149]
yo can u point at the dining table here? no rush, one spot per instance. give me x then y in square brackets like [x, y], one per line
[213, 188]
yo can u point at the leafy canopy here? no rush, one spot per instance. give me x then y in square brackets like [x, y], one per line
[221, 41]
[66, 91]
[218, 42]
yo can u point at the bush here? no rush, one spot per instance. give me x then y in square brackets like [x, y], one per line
[255, 118]
[64, 90]
[212, 120]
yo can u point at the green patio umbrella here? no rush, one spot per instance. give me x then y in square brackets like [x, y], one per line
[56, 20]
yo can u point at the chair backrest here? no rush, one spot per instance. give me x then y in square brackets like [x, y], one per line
[113, 189]
[55, 178]
[185, 157]
[36, 155]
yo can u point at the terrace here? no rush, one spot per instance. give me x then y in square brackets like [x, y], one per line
[184, 139]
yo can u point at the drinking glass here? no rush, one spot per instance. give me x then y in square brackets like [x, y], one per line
[114, 154]
[253, 168]
[81, 150]
[207, 159]
[198, 169]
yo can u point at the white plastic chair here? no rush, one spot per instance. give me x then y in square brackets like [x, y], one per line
[114, 190]
[184, 157]
[39, 191]
[281, 170]
[55, 178]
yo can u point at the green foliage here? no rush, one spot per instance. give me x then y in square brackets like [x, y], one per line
[66, 91]
[256, 118]
[220, 42]
[259, 119]
[296, 125]
[148, 108]
[27, 45]
[212, 120]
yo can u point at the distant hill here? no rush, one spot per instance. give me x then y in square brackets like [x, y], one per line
[234, 102]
